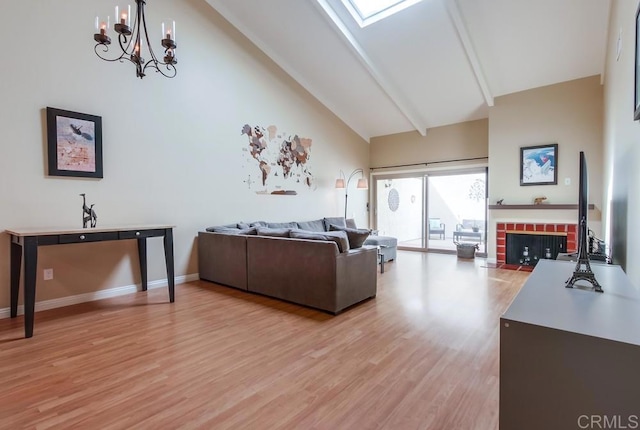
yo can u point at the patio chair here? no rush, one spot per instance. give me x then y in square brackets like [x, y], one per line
[436, 227]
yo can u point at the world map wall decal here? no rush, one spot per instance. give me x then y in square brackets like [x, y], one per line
[277, 162]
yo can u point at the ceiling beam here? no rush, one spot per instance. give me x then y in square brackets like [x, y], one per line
[290, 70]
[375, 73]
[456, 17]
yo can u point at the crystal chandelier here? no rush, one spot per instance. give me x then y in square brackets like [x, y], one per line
[131, 39]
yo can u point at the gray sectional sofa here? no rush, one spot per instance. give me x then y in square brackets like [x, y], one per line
[304, 263]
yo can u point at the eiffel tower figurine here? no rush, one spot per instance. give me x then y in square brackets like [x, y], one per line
[583, 270]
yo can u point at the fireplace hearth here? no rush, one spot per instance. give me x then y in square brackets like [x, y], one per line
[528, 249]
[566, 231]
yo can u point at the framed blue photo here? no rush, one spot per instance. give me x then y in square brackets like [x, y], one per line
[539, 165]
[74, 144]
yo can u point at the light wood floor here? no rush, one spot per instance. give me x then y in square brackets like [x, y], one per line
[422, 355]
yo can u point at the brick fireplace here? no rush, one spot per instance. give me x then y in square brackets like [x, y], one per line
[504, 228]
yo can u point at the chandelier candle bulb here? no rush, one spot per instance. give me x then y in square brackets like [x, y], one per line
[104, 26]
[126, 18]
[100, 35]
[170, 33]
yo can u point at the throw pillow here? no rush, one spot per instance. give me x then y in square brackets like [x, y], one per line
[249, 230]
[351, 223]
[221, 226]
[273, 232]
[356, 236]
[335, 221]
[315, 225]
[258, 224]
[231, 230]
[243, 225]
[341, 240]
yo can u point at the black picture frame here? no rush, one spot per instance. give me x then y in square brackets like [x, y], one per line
[636, 86]
[539, 165]
[74, 144]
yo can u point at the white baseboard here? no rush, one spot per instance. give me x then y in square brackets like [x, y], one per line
[99, 295]
[492, 260]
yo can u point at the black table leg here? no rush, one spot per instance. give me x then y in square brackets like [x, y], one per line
[142, 256]
[168, 257]
[16, 264]
[30, 267]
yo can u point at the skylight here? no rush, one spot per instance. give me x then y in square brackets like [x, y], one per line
[367, 12]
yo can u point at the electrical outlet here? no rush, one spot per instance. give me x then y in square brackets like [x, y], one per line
[567, 181]
[48, 274]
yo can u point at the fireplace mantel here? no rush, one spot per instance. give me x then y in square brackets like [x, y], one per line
[540, 206]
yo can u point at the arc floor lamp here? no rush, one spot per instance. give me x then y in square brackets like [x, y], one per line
[343, 182]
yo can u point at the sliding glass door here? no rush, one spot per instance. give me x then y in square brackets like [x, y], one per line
[457, 209]
[433, 211]
[400, 210]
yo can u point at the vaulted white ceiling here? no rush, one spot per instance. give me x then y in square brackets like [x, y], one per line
[435, 63]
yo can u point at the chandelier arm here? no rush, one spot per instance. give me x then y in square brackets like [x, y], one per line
[105, 49]
[120, 42]
[146, 36]
[172, 71]
[153, 62]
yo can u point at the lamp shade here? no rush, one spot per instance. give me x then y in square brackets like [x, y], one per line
[340, 183]
[362, 183]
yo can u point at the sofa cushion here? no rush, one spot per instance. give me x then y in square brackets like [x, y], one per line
[315, 225]
[273, 232]
[243, 225]
[232, 230]
[356, 236]
[221, 226]
[282, 224]
[258, 224]
[335, 236]
[335, 221]
[387, 241]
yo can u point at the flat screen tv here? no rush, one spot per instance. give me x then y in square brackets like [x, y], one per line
[583, 270]
[583, 199]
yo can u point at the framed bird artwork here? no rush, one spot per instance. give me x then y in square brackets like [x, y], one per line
[74, 144]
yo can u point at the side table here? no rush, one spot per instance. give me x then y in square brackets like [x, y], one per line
[381, 257]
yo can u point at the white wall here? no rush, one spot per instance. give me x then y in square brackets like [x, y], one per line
[172, 147]
[622, 140]
[451, 142]
[569, 114]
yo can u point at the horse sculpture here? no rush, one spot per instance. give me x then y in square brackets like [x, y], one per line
[89, 216]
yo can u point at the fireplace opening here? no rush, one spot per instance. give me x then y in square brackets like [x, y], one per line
[527, 249]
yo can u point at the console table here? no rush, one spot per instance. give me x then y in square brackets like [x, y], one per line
[570, 354]
[25, 242]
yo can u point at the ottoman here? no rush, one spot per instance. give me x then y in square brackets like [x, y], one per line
[388, 246]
